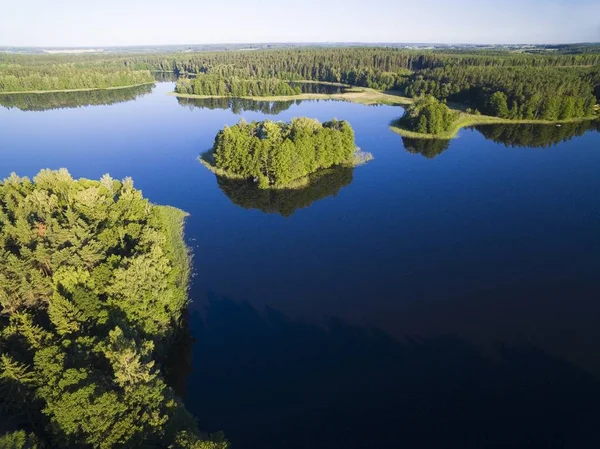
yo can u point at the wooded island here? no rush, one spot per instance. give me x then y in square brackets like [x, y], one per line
[277, 154]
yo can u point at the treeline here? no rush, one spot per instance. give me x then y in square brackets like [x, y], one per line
[214, 85]
[428, 116]
[547, 93]
[61, 100]
[274, 154]
[14, 78]
[546, 86]
[93, 282]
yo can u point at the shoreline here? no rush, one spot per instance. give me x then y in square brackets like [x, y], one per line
[358, 158]
[360, 95]
[75, 90]
[466, 120]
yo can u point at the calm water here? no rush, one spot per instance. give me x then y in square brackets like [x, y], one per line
[447, 294]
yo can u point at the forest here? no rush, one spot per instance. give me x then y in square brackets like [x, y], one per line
[427, 115]
[93, 285]
[547, 93]
[43, 77]
[549, 86]
[275, 154]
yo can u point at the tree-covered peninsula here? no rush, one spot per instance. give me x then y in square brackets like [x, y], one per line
[93, 284]
[278, 155]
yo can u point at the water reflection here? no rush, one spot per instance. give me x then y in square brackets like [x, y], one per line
[269, 381]
[165, 77]
[535, 136]
[63, 100]
[286, 201]
[428, 148]
[238, 105]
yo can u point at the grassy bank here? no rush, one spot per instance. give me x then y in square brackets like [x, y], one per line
[74, 90]
[173, 221]
[361, 95]
[465, 120]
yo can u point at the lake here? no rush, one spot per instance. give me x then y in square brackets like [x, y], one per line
[446, 294]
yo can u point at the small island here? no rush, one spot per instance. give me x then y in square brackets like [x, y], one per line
[282, 155]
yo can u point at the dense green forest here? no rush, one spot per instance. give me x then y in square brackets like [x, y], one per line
[92, 289]
[274, 154]
[547, 93]
[19, 78]
[214, 85]
[61, 100]
[428, 116]
[550, 86]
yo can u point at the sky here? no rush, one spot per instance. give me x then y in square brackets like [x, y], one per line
[64, 23]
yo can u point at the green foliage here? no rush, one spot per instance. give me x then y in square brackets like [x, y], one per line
[531, 82]
[276, 154]
[18, 440]
[43, 76]
[428, 116]
[524, 92]
[92, 286]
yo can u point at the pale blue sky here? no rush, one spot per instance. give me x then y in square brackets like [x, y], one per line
[145, 22]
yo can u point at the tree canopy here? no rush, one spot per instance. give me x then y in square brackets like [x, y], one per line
[428, 116]
[93, 283]
[274, 154]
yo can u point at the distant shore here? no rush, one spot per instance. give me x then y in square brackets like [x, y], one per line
[361, 95]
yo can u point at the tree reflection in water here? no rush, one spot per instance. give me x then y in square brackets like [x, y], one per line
[285, 202]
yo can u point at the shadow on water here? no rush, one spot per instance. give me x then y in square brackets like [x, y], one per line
[64, 100]
[428, 148]
[536, 136]
[318, 88]
[286, 201]
[239, 105]
[510, 135]
[272, 382]
[165, 77]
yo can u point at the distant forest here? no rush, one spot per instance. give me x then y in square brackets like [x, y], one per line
[547, 86]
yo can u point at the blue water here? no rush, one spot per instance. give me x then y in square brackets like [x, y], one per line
[450, 301]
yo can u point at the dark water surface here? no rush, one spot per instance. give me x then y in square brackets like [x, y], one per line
[447, 294]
